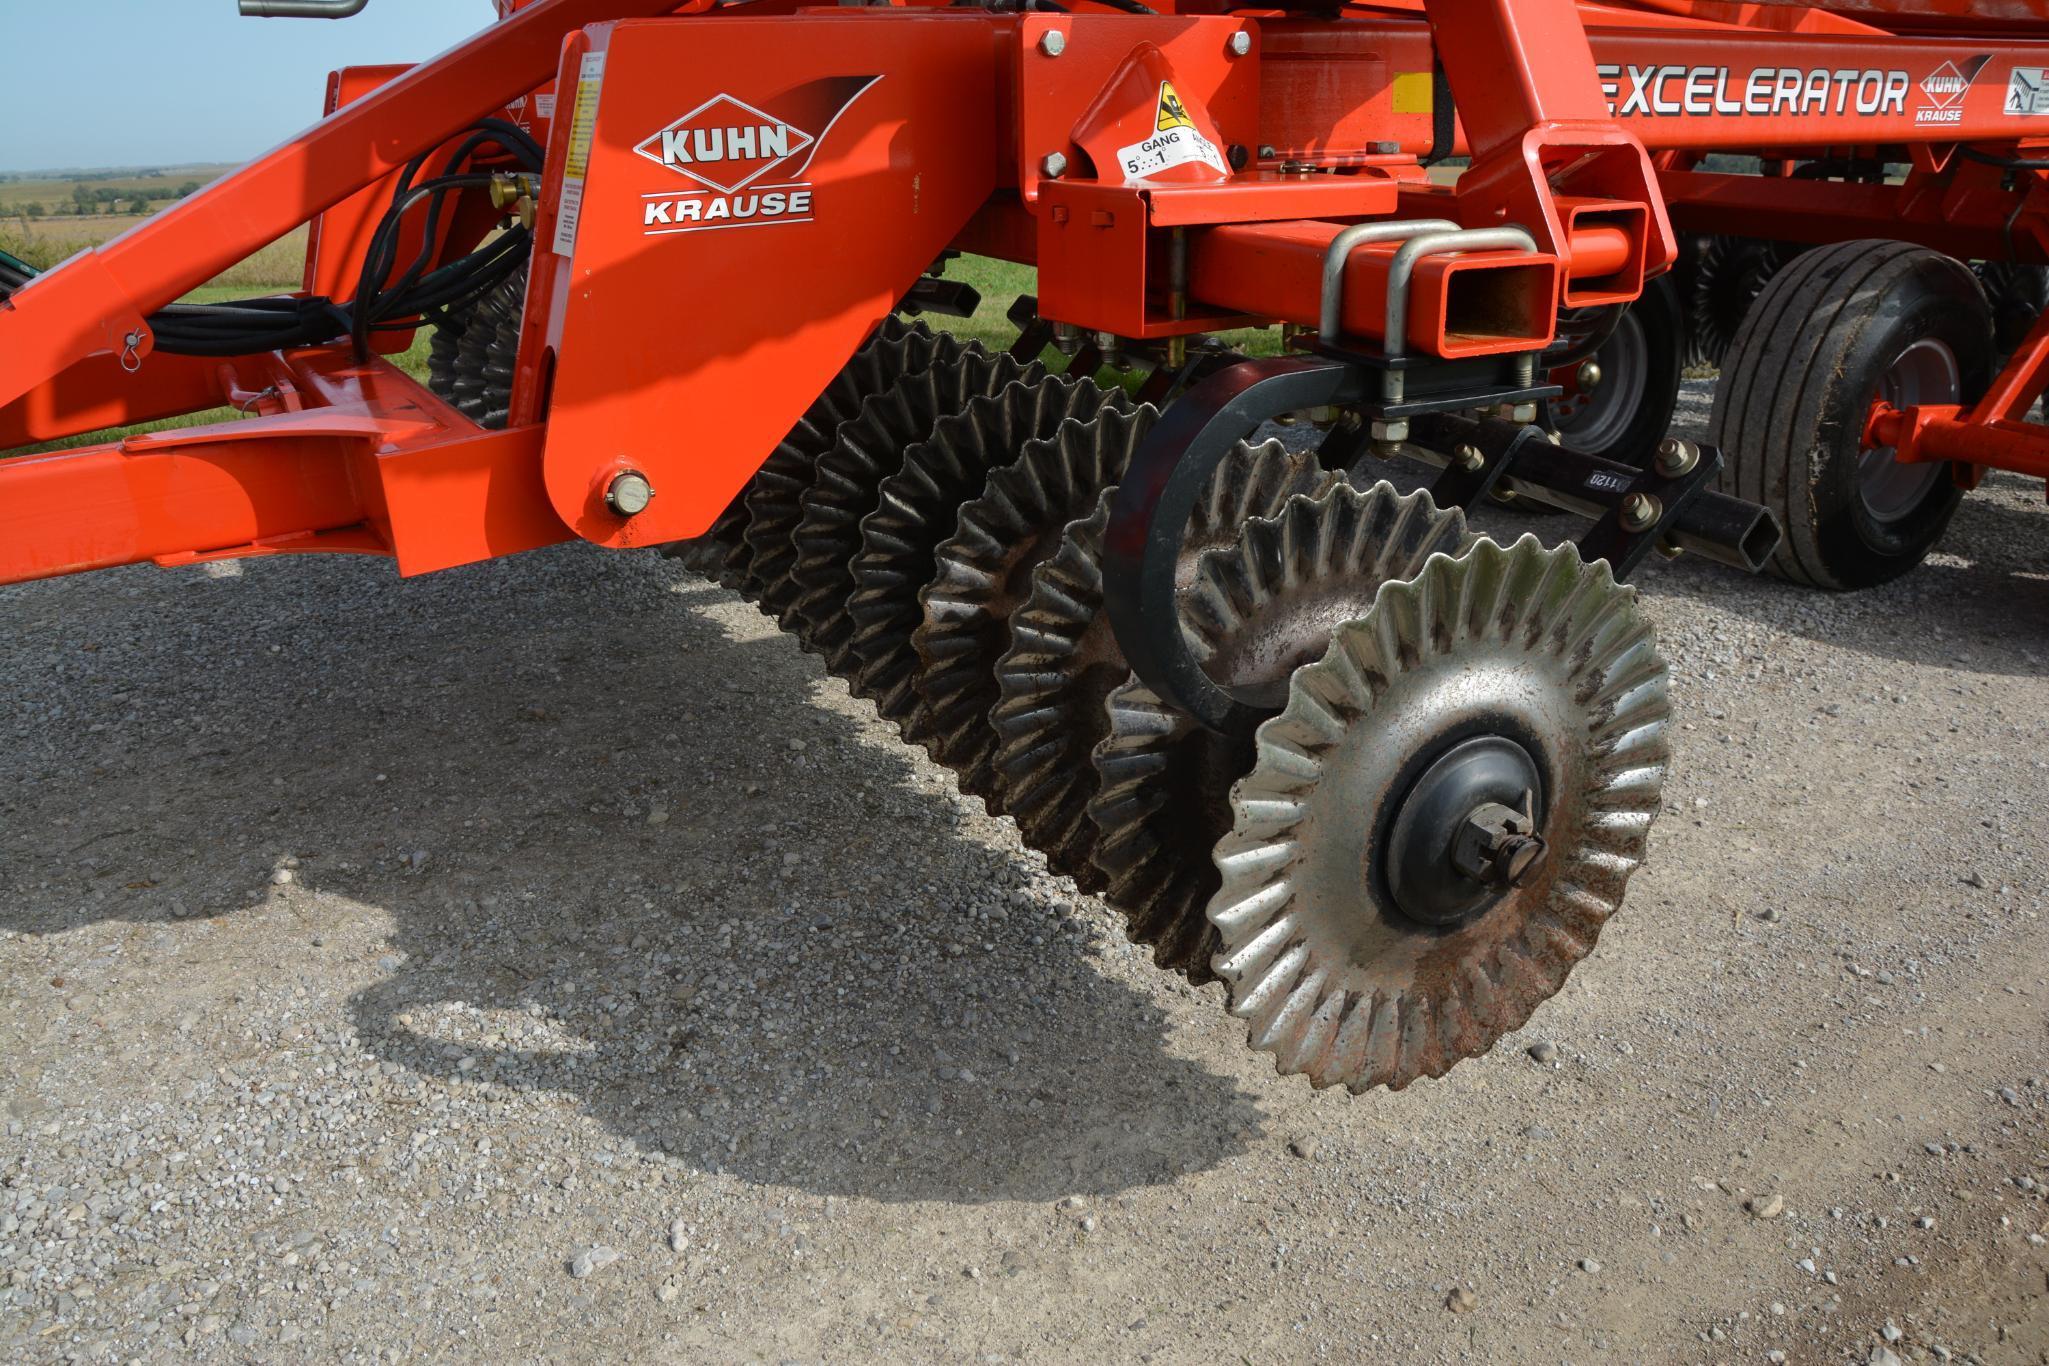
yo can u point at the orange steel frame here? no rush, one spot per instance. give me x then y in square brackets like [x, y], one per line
[684, 354]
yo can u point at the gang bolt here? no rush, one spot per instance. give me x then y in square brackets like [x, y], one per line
[1640, 512]
[1241, 43]
[1589, 375]
[1052, 42]
[629, 494]
[1498, 846]
[1470, 459]
[1676, 457]
[1055, 165]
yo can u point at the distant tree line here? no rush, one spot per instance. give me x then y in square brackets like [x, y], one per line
[99, 199]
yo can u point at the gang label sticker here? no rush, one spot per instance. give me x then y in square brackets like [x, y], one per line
[2027, 92]
[747, 164]
[1175, 142]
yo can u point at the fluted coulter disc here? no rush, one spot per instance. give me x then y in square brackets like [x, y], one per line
[773, 498]
[1439, 823]
[984, 574]
[1064, 660]
[846, 486]
[1258, 610]
[919, 507]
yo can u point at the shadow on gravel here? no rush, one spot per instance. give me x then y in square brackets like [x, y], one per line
[807, 974]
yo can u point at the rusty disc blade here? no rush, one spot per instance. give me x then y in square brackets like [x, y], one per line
[773, 497]
[984, 574]
[919, 507]
[847, 482]
[1064, 660]
[1330, 974]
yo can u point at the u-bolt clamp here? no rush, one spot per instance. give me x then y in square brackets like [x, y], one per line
[1401, 272]
[1339, 254]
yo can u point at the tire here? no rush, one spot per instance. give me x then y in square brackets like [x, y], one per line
[1839, 328]
[1629, 413]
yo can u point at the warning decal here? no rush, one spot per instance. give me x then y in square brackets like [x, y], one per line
[1175, 142]
[2027, 91]
[583, 125]
[1172, 113]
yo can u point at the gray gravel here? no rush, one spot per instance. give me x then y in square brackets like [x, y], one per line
[546, 959]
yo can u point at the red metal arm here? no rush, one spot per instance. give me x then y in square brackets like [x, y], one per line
[95, 303]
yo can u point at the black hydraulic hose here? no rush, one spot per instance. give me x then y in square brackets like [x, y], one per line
[382, 304]
[2008, 163]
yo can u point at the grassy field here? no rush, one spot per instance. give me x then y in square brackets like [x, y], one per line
[1000, 282]
[57, 193]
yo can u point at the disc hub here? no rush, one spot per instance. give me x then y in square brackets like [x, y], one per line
[1466, 834]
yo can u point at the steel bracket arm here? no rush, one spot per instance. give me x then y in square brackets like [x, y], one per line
[1548, 155]
[97, 302]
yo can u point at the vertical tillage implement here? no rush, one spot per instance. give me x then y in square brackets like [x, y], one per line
[1318, 739]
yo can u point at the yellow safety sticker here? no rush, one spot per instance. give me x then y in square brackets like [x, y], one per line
[1173, 114]
[1414, 93]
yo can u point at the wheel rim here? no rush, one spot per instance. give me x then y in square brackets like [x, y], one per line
[1595, 419]
[1925, 373]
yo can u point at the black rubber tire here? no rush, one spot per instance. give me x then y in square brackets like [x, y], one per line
[1797, 386]
[1662, 322]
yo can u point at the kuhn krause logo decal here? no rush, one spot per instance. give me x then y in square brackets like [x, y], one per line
[748, 163]
[1943, 91]
[1676, 91]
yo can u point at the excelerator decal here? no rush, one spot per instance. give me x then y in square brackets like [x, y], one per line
[2027, 91]
[1668, 91]
[1175, 142]
[1766, 92]
[749, 167]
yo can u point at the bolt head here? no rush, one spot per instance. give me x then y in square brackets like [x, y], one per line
[1470, 458]
[1055, 164]
[1589, 375]
[1052, 42]
[1390, 433]
[629, 494]
[1241, 43]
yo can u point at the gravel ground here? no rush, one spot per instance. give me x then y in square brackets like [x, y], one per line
[546, 959]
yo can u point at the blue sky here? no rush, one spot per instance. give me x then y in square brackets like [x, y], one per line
[157, 82]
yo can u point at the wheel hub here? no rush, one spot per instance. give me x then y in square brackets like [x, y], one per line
[1466, 833]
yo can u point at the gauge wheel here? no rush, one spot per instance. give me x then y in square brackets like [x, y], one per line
[1618, 403]
[1840, 330]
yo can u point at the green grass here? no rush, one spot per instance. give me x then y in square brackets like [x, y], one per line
[1000, 282]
